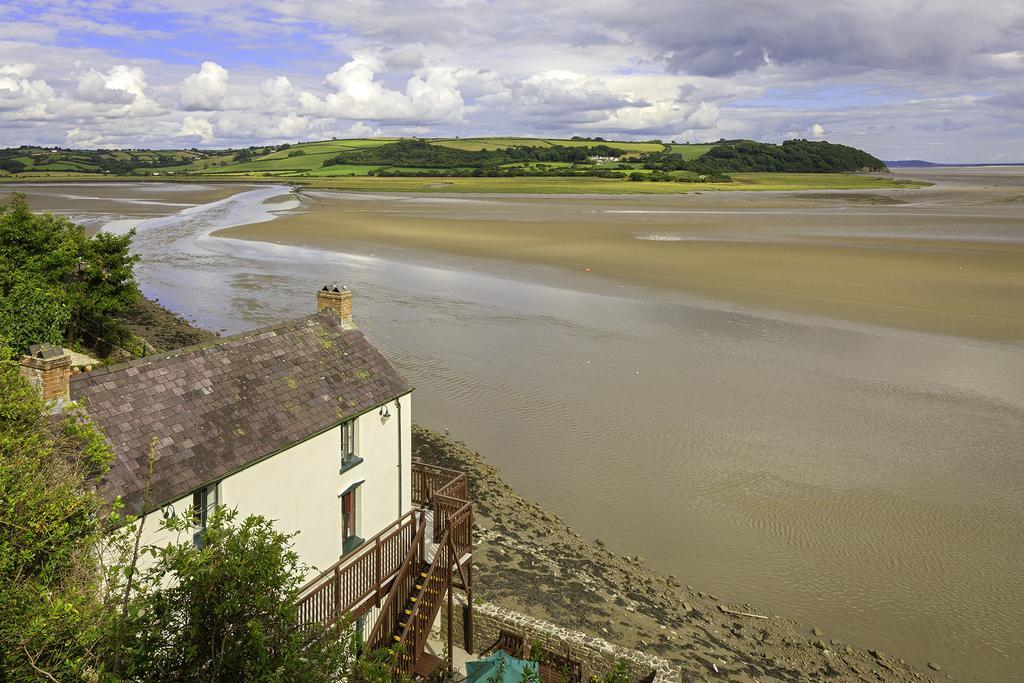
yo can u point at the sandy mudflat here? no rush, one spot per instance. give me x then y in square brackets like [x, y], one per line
[528, 560]
[949, 260]
[136, 200]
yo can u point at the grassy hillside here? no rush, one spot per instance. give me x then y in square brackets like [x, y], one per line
[690, 152]
[33, 160]
[493, 164]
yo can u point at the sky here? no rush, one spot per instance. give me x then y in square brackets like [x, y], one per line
[939, 80]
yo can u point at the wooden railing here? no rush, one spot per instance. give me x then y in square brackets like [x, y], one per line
[444, 491]
[386, 571]
[356, 582]
[428, 480]
[410, 642]
[404, 585]
[460, 526]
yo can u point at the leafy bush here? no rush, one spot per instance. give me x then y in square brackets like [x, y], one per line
[225, 611]
[55, 281]
[50, 613]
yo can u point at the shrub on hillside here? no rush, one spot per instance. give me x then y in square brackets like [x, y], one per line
[56, 282]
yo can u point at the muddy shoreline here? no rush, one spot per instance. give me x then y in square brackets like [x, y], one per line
[161, 328]
[881, 260]
[528, 560]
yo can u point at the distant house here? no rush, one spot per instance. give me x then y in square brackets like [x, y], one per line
[305, 423]
[603, 160]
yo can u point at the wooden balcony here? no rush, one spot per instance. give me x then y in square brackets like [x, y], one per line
[391, 571]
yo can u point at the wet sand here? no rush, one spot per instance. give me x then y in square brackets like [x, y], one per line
[916, 259]
[528, 560]
[92, 204]
[864, 479]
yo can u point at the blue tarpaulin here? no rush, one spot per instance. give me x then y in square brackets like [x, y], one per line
[501, 667]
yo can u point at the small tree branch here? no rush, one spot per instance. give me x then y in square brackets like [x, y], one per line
[32, 663]
[119, 636]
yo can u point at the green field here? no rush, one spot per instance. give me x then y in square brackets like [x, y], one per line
[524, 185]
[690, 152]
[306, 162]
[479, 144]
[303, 164]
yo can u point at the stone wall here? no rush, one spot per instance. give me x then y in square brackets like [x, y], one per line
[596, 655]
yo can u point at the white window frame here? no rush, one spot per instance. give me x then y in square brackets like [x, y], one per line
[204, 501]
[354, 540]
[347, 442]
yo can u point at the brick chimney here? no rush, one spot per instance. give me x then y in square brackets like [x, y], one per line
[48, 369]
[339, 300]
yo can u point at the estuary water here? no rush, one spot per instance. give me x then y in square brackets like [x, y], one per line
[865, 480]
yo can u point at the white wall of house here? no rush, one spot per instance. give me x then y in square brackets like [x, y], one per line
[300, 488]
[153, 534]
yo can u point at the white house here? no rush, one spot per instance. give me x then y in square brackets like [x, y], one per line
[307, 424]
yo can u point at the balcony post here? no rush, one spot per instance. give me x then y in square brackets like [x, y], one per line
[448, 573]
[380, 569]
[337, 594]
[468, 618]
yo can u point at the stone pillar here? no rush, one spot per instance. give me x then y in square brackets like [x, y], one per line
[339, 300]
[48, 369]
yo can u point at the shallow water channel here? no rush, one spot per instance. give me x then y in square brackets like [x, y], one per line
[867, 481]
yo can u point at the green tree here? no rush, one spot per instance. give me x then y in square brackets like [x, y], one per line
[50, 612]
[53, 276]
[33, 312]
[223, 611]
[12, 165]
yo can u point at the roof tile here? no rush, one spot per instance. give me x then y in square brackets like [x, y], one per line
[226, 404]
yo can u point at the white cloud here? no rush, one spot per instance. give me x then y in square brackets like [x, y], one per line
[361, 130]
[205, 89]
[278, 89]
[80, 139]
[890, 76]
[558, 91]
[660, 118]
[196, 129]
[17, 70]
[817, 131]
[22, 97]
[432, 95]
[122, 85]
[292, 126]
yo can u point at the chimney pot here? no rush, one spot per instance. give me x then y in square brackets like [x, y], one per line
[338, 300]
[48, 369]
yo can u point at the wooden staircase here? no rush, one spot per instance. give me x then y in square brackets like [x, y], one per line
[410, 610]
[402, 575]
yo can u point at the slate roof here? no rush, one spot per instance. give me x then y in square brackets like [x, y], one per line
[219, 406]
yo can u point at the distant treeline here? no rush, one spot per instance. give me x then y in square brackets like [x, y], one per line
[422, 154]
[406, 157]
[114, 162]
[792, 156]
[423, 158]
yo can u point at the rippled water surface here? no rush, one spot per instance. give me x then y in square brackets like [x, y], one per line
[867, 481]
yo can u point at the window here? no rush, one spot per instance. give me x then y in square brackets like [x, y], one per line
[203, 503]
[350, 519]
[349, 458]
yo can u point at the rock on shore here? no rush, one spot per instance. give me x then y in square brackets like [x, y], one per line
[528, 560]
[162, 329]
